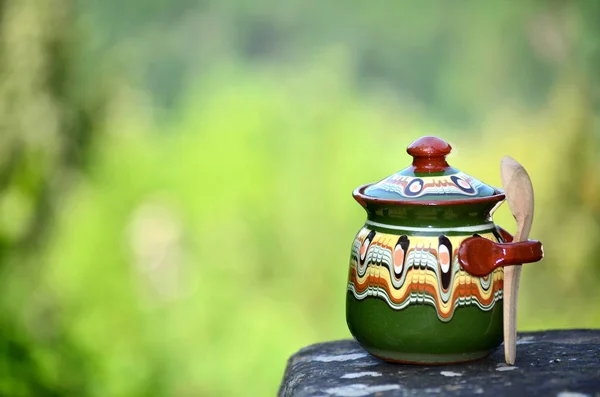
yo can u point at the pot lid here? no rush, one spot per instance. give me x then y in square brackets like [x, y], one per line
[429, 178]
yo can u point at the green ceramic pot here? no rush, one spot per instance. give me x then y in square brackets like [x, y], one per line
[409, 297]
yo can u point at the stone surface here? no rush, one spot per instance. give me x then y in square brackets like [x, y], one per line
[551, 363]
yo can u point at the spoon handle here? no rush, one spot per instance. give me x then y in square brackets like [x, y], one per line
[519, 195]
[512, 276]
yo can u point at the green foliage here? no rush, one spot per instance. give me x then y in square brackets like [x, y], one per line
[192, 254]
[213, 250]
[45, 130]
[457, 59]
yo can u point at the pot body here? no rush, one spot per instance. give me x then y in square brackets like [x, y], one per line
[408, 299]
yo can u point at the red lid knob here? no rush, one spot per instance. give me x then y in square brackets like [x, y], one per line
[429, 154]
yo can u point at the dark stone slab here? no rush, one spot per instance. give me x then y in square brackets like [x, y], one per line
[552, 363]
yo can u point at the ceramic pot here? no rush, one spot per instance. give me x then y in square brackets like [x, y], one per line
[409, 299]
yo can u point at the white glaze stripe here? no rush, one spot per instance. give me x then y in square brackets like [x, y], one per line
[476, 228]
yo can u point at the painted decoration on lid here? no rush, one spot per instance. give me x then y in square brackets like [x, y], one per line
[413, 187]
[429, 177]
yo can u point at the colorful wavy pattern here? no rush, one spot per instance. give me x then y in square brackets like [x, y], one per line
[411, 187]
[405, 270]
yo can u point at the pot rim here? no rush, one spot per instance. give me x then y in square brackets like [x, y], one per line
[364, 199]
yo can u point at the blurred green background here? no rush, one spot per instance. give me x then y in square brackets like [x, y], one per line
[175, 176]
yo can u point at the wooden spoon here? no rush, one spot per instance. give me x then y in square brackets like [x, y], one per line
[519, 195]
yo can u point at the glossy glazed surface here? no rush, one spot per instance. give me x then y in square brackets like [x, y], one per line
[410, 301]
[429, 177]
[415, 335]
[413, 268]
[408, 297]
[479, 256]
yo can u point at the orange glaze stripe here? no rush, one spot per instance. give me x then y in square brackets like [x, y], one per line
[425, 281]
